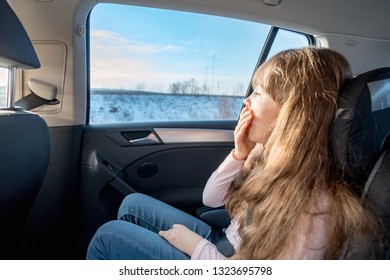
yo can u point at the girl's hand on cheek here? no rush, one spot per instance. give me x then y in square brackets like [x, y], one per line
[243, 146]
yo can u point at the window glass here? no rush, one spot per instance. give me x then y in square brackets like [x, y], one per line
[3, 86]
[380, 94]
[151, 64]
[158, 65]
[286, 39]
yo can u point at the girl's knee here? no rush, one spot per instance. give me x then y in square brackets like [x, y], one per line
[106, 229]
[134, 199]
[132, 202]
[98, 243]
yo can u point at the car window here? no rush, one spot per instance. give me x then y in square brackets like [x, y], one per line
[3, 86]
[151, 64]
[286, 39]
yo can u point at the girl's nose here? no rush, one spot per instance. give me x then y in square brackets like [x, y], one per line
[247, 101]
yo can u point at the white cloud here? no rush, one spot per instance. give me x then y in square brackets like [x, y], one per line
[112, 41]
[119, 62]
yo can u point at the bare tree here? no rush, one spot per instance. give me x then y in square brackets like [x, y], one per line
[185, 87]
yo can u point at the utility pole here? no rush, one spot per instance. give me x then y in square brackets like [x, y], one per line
[212, 79]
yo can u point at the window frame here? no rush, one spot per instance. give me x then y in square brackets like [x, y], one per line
[268, 46]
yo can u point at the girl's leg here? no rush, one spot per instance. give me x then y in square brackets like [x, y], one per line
[121, 240]
[156, 215]
[135, 234]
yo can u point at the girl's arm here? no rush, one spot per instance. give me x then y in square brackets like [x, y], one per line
[219, 182]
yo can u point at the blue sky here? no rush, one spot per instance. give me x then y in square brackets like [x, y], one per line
[133, 45]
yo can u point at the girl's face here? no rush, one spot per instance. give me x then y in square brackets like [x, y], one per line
[265, 111]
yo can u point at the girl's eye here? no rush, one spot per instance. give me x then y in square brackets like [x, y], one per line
[257, 90]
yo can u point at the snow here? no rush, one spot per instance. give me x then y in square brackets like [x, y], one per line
[110, 106]
[3, 96]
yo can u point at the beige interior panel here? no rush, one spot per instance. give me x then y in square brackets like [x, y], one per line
[52, 56]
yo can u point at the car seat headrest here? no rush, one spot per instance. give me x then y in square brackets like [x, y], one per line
[16, 49]
[362, 124]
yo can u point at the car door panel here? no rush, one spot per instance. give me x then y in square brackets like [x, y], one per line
[170, 162]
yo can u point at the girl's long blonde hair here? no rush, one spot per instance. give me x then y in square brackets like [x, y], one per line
[282, 180]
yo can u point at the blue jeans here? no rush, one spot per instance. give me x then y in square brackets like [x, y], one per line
[134, 236]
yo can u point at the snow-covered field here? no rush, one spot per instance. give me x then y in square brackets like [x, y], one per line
[131, 106]
[3, 100]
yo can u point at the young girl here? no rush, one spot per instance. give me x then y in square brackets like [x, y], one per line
[278, 184]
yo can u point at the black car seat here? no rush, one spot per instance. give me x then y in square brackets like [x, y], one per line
[24, 139]
[360, 145]
[376, 197]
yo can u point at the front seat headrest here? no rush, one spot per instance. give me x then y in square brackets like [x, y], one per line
[16, 48]
[362, 124]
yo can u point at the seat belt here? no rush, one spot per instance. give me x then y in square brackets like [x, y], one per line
[42, 93]
[33, 101]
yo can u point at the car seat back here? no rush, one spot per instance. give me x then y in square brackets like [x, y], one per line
[359, 142]
[362, 124]
[24, 138]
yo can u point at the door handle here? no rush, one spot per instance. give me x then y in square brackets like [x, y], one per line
[150, 139]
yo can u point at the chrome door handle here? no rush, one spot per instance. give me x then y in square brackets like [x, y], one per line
[150, 139]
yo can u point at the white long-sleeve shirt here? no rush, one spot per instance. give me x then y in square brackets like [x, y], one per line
[311, 240]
